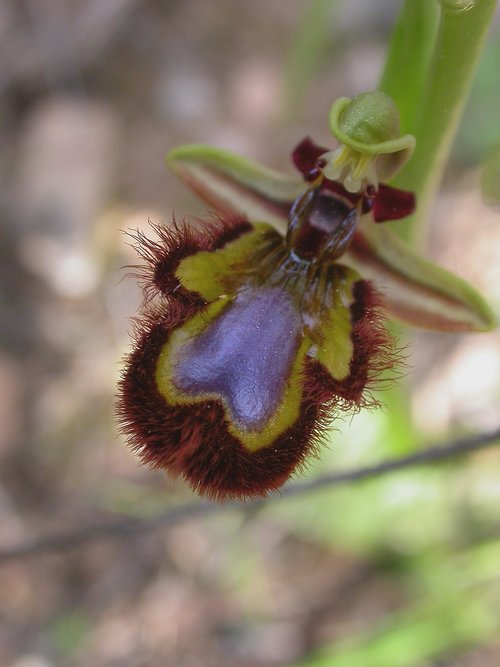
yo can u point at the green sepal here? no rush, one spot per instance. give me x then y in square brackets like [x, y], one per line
[415, 290]
[231, 183]
[368, 125]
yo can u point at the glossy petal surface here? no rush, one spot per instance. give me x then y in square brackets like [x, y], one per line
[244, 356]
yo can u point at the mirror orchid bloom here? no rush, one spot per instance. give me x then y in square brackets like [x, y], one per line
[263, 322]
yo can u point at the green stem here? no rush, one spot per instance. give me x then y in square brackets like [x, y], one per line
[462, 31]
[408, 58]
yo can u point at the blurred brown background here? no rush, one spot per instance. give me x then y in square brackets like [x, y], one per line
[93, 93]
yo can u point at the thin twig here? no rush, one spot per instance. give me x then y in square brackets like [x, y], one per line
[129, 527]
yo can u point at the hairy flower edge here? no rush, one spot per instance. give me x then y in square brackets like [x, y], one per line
[195, 440]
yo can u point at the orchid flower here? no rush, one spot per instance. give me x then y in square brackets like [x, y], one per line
[263, 322]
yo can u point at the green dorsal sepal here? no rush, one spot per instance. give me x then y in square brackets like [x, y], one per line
[372, 148]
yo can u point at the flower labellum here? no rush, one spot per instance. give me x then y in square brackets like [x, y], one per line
[250, 340]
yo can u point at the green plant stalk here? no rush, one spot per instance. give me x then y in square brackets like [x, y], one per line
[459, 41]
[408, 58]
[428, 73]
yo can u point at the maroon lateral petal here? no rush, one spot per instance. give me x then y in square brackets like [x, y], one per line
[178, 241]
[392, 204]
[305, 154]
